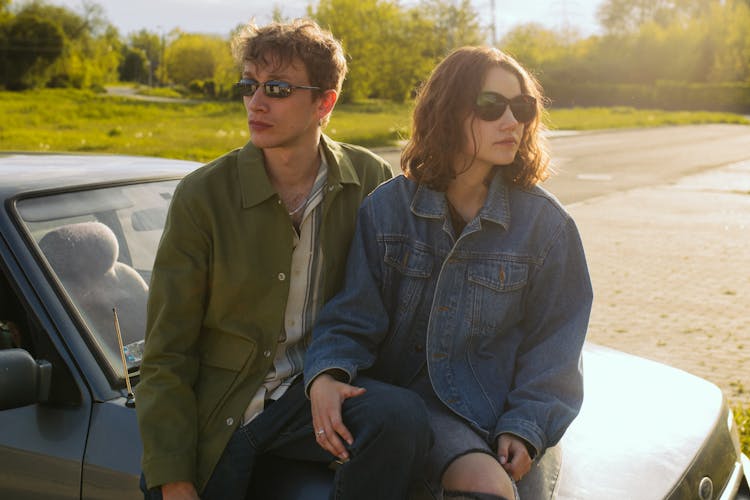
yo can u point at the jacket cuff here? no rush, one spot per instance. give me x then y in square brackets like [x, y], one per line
[531, 433]
[337, 372]
[169, 470]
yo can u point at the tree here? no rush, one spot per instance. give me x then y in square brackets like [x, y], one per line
[152, 46]
[31, 45]
[194, 57]
[357, 24]
[4, 11]
[91, 49]
[620, 17]
[534, 45]
[454, 24]
[134, 66]
[392, 49]
[729, 36]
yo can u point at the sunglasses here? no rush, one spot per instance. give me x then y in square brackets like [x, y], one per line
[273, 88]
[490, 106]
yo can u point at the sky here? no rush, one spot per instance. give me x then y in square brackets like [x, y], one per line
[221, 16]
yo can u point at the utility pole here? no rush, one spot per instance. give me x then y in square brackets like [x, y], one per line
[494, 23]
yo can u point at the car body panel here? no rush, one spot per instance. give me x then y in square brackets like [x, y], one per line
[649, 432]
[112, 464]
[41, 451]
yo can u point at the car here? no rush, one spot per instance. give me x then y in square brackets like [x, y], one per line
[79, 234]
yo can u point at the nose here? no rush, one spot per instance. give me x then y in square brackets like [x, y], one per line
[507, 120]
[257, 101]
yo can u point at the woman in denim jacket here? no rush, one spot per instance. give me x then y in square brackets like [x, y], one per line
[466, 282]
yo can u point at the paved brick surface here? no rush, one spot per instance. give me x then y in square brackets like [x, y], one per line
[670, 267]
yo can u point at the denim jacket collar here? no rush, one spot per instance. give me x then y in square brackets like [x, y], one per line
[256, 187]
[431, 204]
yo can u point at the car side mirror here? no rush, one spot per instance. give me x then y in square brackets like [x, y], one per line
[23, 380]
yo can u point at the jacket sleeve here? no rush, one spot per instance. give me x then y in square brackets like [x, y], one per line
[350, 326]
[166, 404]
[548, 387]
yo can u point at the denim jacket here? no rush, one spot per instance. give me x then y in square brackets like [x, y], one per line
[499, 314]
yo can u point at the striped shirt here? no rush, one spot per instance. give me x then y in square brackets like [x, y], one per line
[303, 303]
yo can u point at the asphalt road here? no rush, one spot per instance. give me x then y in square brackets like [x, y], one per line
[591, 164]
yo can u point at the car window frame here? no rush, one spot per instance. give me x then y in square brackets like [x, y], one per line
[114, 374]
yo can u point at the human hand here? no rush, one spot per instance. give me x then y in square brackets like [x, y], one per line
[179, 490]
[326, 397]
[513, 456]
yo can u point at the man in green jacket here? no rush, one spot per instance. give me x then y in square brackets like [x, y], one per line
[255, 242]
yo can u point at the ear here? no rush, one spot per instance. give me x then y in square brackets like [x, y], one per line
[327, 101]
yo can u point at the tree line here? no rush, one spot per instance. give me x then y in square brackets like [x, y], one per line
[661, 53]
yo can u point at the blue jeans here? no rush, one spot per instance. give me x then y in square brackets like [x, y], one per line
[391, 439]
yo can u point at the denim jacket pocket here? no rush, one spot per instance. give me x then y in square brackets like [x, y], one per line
[408, 267]
[500, 276]
[498, 292]
[408, 259]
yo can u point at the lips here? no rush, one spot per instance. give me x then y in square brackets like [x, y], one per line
[258, 125]
[508, 141]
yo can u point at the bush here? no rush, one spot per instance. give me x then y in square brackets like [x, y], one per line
[732, 97]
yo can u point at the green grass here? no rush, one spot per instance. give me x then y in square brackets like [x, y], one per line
[371, 123]
[160, 92]
[625, 117]
[81, 121]
[742, 417]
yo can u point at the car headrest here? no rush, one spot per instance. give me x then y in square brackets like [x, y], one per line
[82, 249]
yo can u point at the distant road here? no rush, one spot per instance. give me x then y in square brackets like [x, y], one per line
[132, 93]
[591, 164]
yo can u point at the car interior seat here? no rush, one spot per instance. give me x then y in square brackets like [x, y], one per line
[84, 257]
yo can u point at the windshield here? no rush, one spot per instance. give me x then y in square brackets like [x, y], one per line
[101, 244]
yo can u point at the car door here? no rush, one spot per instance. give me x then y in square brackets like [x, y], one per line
[41, 445]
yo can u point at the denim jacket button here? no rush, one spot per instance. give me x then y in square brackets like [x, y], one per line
[230, 421]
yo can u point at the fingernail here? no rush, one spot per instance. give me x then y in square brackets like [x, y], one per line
[503, 460]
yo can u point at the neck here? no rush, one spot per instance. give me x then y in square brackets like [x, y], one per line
[468, 192]
[291, 167]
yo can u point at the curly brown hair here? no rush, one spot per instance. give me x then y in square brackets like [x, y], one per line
[279, 44]
[443, 104]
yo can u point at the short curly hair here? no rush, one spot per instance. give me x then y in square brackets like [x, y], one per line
[443, 104]
[302, 39]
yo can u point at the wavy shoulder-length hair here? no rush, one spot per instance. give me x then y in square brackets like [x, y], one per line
[444, 103]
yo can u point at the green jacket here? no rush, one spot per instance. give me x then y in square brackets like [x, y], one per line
[217, 299]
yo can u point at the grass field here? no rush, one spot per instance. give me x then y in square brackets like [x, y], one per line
[72, 120]
[742, 417]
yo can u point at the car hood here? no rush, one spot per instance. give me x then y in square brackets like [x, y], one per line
[641, 425]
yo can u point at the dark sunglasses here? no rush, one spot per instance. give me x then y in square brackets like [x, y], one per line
[490, 106]
[273, 88]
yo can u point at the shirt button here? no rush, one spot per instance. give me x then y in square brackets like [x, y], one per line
[230, 422]
[267, 354]
[282, 276]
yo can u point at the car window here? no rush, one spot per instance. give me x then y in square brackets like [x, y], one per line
[100, 244]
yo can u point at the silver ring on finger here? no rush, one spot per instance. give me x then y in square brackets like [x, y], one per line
[320, 432]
